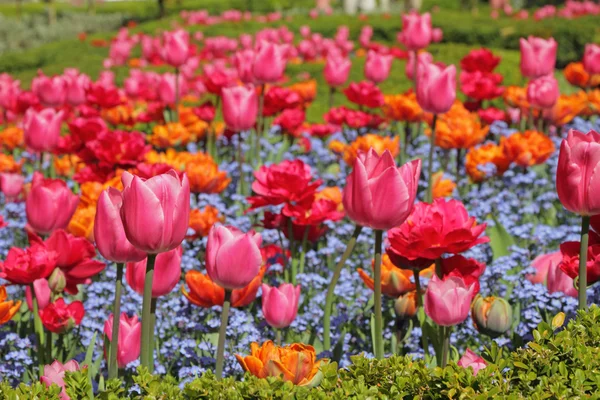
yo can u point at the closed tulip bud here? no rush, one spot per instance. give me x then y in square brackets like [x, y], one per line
[576, 183]
[50, 204]
[156, 212]
[269, 62]
[57, 281]
[42, 129]
[233, 258]
[447, 301]
[591, 59]
[240, 107]
[491, 315]
[378, 66]
[109, 232]
[378, 194]
[406, 305]
[130, 336]
[280, 305]
[11, 185]
[436, 91]
[416, 31]
[175, 50]
[538, 56]
[437, 35]
[543, 92]
[167, 272]
[337, 69]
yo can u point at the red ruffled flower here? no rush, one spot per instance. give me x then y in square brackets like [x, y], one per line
[364, 93]
[24, 266]
[481, 85]
[290, 121]
[432, 230]
[118, 149]
[570, 260]
[278, 99]
[323, 130]
[479, 60]
[468, 269]
[206, 111]
[273, 254]
[103, 96]
[60, 317]
[491, 114]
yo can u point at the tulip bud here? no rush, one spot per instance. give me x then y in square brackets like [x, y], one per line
[491, 315]
[406, 305]
[57, 281]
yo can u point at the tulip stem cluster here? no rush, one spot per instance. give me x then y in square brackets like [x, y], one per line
[583, 250]
[330, 290]
[113, 367]
[39, 330]
[223, 333]
[378, 342]
[429, 195]
[419, 301]
[147, 347]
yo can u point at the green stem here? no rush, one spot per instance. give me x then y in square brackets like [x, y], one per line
[378, 345]
[583, 250]
[438, 268]
[49, 346]
[331, 288]
[419, 297]
[39, 330]
[153, 321]
[303, 249]
[402, 152]
[278, 337]
[222, 333]
[147, 347]
[261, 124]
[113, 367]
[331, 96]
[446, 345]
[242, 182]
[175, 114]
[293, 254]
[429, 195]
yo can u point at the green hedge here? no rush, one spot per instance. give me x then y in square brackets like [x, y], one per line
[557, 364]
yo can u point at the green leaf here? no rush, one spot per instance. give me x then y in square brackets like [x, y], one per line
[500, 239]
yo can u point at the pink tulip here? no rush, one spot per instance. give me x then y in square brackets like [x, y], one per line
[130, 336]
[240, 107]
[42, 291]
[436, 91]
[55, 373]
[337, 69]
[175, 50]
[280, 305]
[119, 52]
[416, 31]
[378, 66]
[542, 264]
[591, 59]
[9, 91]
[470, 359]
[76, 86]
[378, 194]
[155, 212]
[42, 129]
[447, 302]
[11, 185]
[543, 92]
[109, 232]
[269, 62]
[50, 204]
[538, 56]
[51, 91]
[233, 258]
[559, 281]
[167, 88]
[243, 62]
[437, 35]
[305, 31]
[167, 272]
[577, 182]
[423, 57]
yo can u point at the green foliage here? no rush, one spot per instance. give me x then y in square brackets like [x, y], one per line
[557, 364]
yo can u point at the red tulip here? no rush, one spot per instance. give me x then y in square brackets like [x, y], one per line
[570, 261]
[378, 194]
[109, 232]
[416, 31]
[447, 302]
[51, 91]
[479, 60]
[129, 340]
[436, 91]
[291, 120]
[538, 56]
[337, 69]
[156, 212]
[481, 85]
[491, 114]
[175, 50]
[543, 92]
[468, 269]
[233, 258]
[76, 86]
[576, 183]
[240, 107]
[25, 266]
[559, 281]
[364, 94]
[542, 264]
[11, 185]
[42, 129]
[269, 62]
[280, 305]
[167, 272]
[378, 66]
[60, 317]
[50, 204]
[591, 59]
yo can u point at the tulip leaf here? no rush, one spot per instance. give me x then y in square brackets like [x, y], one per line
[90, 351]
[500, 239]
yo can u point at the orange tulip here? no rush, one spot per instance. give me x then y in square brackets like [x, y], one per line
[363, 144]
[307, 90]
[295, 363]
[169, 135]
[8, 164]
[205, 177]
[594, 101]
[528, 148]
[11, 138]
[516, 97]
[402, 107]
[82, 222]
[458, 129]
[394, 281]
[8, 309]
[205, 293]
[202, 220]
[119, 115]
[568, 107]
[194, 125]
[478, 157]
[576, 74]
[442, 187]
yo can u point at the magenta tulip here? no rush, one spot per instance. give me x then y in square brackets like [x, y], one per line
[559, 281]
[233, 258]
[280, 305]
[155, 212]
[437, 35]
[76, 85]
[167, 90]
[423, 57]
[416, 31]
[337, 69]
[243, 62]
[378, 194]
[543, 92]
[538, 56]
[436, 91]
[175, 48]
[52, 91]
[11, 185]
[42, 291]
[167, 272]
[470, 359]
[378, 66]
[577, 180]
[130, 335]
[55, 374]
[240, 107]
[447, 302]
[50, 204]
[591, 59]
[269, 62]
[42, 129]
[542, 265]
[109, 232]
